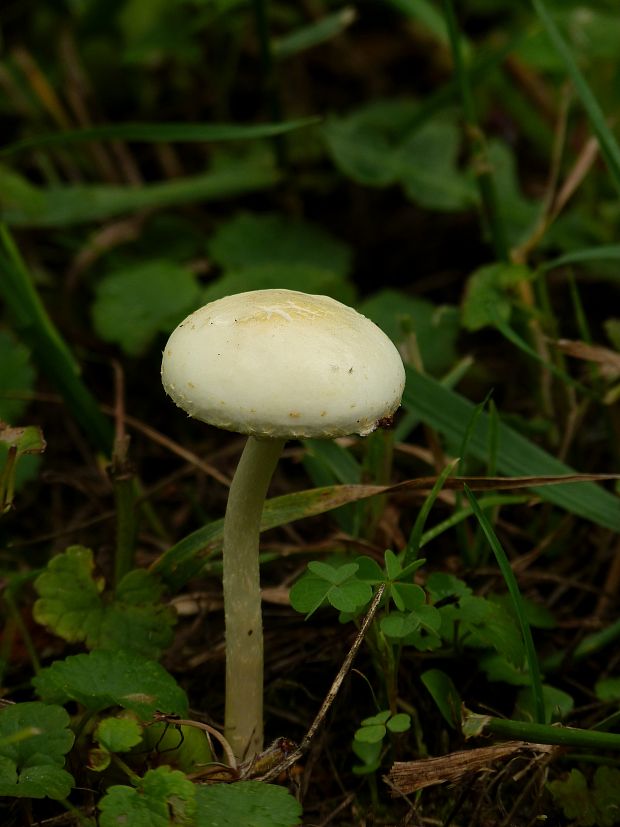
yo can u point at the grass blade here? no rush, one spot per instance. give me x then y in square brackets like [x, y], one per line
[49, 349]
[185, 558]
[161, 132]
[517, 603]
[475, 725]
[607, 252]
[448, 412]
[415, 538]
[607, 141]
[25, 205]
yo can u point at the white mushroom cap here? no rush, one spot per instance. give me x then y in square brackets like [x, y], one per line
[279, 363]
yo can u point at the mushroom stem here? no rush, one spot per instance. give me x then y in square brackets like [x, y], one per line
[242, 595]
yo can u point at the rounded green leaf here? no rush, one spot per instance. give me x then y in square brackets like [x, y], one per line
[118, 734]
[132, 305]
[371, 734]
[105, 678]
[247, 803]
[399, 723]
[34, 739]
[163, 797]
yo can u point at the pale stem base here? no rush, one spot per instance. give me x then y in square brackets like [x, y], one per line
[242, 596]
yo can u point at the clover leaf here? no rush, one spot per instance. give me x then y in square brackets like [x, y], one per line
[338, 585]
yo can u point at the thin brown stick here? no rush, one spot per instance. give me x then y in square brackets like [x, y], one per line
[331, 695]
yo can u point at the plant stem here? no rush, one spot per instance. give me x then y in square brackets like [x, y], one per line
[477, 142]
[541, 733]
[242, 596]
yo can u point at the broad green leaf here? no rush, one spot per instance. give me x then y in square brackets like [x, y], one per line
[33, 766]
[377, 146]
[498, 668]
[118, 734]
[538, 615]
[69, 596]
[250, 240]
[483, 624]
[307, 278]
[163, 797]
[161, 132]
[427, 163]
[608, 689]
[25, 205]
[364, 144]
[105, 678]
[435, 327]
[574, 797]
[132, 305]
[606, 792]
[519, 214]
[449, 412]
[247, 803]
[486, 299]
[598, 804]
[72, 604]
[558, 704]
[16, 378]
[445, 694]
[441, 585]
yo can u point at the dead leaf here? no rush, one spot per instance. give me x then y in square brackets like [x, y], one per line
[410, 776]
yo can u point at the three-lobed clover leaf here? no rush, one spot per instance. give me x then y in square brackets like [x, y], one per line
[375, 728]
[403, 593]
[34, 739]
[105, 678]
[72, 603]
[337, 585]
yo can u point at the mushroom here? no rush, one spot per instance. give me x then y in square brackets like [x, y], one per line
[275, 365]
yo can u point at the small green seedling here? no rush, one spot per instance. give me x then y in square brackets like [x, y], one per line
[368, 739]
